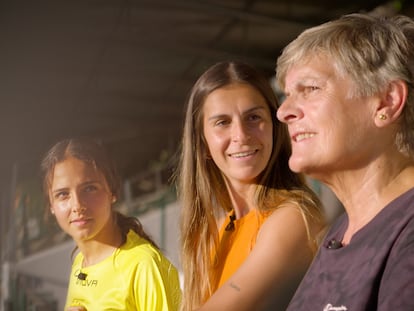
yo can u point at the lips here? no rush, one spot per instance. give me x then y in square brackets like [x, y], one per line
[243, 154]
[80, 221]
[302, 136]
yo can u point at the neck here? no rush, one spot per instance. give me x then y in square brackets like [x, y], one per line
[365, 192]
[97, 249]
[241, 198]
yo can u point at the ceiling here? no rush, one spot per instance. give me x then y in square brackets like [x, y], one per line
[120, 70]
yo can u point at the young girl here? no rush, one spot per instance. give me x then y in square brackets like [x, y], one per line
[118, 267]
[248, 223]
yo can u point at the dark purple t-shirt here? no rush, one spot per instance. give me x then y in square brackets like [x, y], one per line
[375, 271]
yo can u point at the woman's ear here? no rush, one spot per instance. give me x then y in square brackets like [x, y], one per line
[113, 199]
[207, 153]
[392, 103]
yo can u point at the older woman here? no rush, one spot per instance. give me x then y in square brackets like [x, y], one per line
[349, 108]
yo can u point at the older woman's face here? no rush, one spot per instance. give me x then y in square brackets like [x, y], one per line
[329, 130]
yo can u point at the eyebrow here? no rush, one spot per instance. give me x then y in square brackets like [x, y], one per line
[86, 183]
[59, 189]
[218, 116]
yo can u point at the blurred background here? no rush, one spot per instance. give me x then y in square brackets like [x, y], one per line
[119, 71]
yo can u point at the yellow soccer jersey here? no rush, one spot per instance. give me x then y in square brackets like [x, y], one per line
[136, 277]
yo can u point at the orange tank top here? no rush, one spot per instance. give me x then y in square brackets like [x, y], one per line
[235, 245]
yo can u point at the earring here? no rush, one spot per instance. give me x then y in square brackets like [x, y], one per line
[382, 116]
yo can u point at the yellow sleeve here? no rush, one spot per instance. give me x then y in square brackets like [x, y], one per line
[157, 285]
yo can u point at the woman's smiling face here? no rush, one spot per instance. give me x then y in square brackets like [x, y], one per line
[238, 130]
[331, 130]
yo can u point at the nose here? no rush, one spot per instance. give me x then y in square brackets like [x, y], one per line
[240, 132]
[288, 111]
[77, 206]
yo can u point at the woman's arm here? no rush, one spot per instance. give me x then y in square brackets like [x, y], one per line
[272, 271]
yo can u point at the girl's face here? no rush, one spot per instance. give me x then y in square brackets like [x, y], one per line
[238, 131]
[80, 199]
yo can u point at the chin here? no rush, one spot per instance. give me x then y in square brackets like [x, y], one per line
[82, 236]
[297, 166]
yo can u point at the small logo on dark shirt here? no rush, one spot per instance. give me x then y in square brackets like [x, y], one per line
[330, 307]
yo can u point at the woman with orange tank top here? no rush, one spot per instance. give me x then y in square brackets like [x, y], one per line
[248, 222]
[237, 239]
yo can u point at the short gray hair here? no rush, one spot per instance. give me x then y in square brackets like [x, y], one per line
[371, 50]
